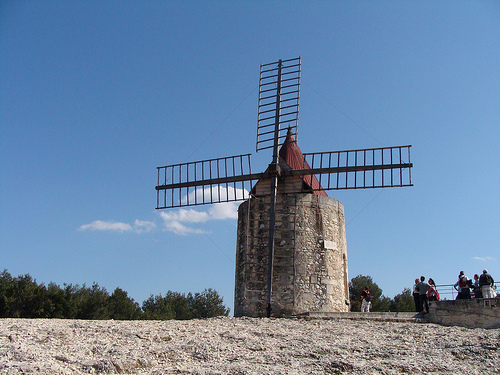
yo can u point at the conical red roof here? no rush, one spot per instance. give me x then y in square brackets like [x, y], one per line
[290, 153]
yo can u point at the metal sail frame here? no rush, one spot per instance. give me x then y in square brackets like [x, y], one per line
[227, 179]
[278, 110]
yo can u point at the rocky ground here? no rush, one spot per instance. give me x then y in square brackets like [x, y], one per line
[244, 346]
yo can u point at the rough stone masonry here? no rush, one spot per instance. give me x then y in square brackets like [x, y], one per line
[310, 264]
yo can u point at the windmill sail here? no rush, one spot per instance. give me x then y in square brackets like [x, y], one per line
[208, 181]
[359, 169]
[279, 92]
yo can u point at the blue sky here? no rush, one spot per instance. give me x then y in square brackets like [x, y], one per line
[95, 95]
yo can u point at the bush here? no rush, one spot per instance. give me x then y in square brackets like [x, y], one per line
[206, 304]
[22, 297]
[403, 301]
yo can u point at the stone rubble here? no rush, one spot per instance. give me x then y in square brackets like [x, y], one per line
[229, 345]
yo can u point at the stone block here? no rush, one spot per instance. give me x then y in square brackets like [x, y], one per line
[329, 245]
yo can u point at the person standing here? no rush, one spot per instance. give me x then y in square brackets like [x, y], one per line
[432, 293]
[462, 286]
[416, 297]
[423, 287]
[477, 288]
[366, 298]
[486, 282]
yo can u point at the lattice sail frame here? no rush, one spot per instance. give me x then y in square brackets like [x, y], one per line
[227, 179]
[279, 92]
[230, 179]
[359, 169]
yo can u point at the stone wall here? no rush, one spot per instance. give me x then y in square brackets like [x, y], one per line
[470, 313]
[310, 256]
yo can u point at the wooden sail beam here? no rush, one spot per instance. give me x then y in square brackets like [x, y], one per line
[233, 169]
[297, 172]
[177, 194]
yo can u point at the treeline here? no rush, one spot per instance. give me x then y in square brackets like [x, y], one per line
[380, 303]
[23, 297]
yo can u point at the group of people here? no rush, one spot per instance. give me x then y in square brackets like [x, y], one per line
[482, 287]
[423, 292]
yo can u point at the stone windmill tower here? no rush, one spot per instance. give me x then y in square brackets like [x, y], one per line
[291, 255]
[310, 253]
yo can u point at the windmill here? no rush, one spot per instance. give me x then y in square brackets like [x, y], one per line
[229, 179]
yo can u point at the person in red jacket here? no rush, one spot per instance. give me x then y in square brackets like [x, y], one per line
[432, 293]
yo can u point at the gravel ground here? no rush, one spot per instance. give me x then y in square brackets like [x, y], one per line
[244, 346]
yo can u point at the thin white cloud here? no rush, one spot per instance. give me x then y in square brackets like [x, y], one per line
[184, 221]
[178, 228]
[228, 210]
[485, 259]
[143, 226]
[113, 226]
[216, 194]
[183, 215]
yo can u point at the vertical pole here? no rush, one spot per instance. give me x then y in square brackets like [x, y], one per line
[274, 186]
[409, 169]
[158, 191]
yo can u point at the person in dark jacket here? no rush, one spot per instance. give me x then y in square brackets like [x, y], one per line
[476, 287]
[416, 297]
[486, 282]
[423, 287]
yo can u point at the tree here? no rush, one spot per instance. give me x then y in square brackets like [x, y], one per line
[181, 305]
[403, 301]
[208, 304]
[356, 286]
[91, 303]
[22, 297]
[5, 282]
[157, 308]
[173, 306]
[122, 307]
[57, 302]
[384, 304]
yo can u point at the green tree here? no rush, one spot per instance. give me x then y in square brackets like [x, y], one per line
[22, 297]
[181, 304]
[5, 284]
[157, 308]
[72, 301]
[403, 301]
[57, 302]
[175, 305]
[91, 303]
[384, 304]
[122, 307]
[356, 285]
[25, 298]
[208, 304]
